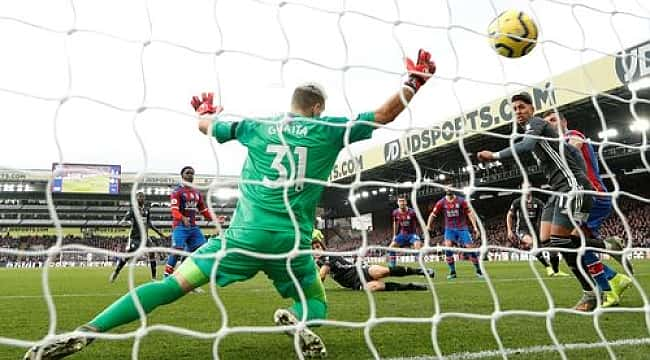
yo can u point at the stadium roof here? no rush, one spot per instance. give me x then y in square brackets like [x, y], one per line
[604, 79]
[603, 82]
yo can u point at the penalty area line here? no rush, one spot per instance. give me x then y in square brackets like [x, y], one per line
[528, 350]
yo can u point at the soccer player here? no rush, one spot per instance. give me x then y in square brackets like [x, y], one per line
[404, 230]
[135, 237]
[345, 273]
[317, 235]
[262, 223]
[565, 172]
[456, 213]
[602, 204]
[186, 202]
[522, 232]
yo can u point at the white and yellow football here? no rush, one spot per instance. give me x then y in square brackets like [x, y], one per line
[513, 34]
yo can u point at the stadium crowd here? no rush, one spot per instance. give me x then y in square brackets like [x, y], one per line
[338, 238]
[637, 214]
[39, 243]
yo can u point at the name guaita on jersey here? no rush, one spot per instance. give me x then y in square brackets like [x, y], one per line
[294, 129]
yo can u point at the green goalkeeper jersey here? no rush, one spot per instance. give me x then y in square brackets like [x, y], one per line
[313, 147]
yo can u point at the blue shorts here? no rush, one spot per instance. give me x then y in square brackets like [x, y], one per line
[458, 236]
[187, 238]
[406, 239]
[600, 211]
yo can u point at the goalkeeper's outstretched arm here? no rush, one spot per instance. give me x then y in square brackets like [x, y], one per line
[419, 73]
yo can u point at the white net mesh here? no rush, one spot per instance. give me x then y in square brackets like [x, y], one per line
[108, 81]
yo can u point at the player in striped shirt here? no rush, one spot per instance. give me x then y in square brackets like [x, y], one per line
[602, 204]
[404, 229]
[186, 203]
[456, 212]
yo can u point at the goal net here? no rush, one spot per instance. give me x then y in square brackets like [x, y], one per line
[110, 82]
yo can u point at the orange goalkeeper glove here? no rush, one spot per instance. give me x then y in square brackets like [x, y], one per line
[205, 105]
[420, 71]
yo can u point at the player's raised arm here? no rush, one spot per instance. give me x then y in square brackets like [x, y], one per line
[206, 110]
[419, 73]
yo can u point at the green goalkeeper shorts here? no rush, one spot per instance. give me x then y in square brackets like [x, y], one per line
[235, 266]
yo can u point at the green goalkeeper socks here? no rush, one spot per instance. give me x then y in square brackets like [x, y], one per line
[151, 295]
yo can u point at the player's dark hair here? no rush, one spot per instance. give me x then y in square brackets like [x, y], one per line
[316, 241]
[186, 168]
[551, 112]
[306, 96]
[523, 96]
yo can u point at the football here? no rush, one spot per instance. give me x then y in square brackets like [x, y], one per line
[513, 34]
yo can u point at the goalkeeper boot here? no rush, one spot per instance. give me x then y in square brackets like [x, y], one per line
[59, 348]
[619, 284]
[311, 344]
[451, 276]
[587, 303]
[610, 299]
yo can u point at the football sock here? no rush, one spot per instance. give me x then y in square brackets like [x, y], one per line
[473, 257]
[596, 270]
[542, 260]
[555, 261]
[450, 261]
[120, 264]
[171, 264]
[402, 271]
[571, 260]
[315, 296]
[152, 264]
[151, 295]
[609, 272]
[391, 286]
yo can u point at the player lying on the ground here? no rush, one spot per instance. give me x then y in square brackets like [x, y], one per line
[522, 233]
[261, 222]
[605, 277]
[456, 213]
[404, 230]
[345, 273]
[565, 172]
[134, 236]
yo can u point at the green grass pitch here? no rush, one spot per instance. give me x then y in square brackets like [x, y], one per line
[91, 184]
[79, 293]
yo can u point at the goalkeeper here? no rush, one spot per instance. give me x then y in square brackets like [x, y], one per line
[282, 153]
